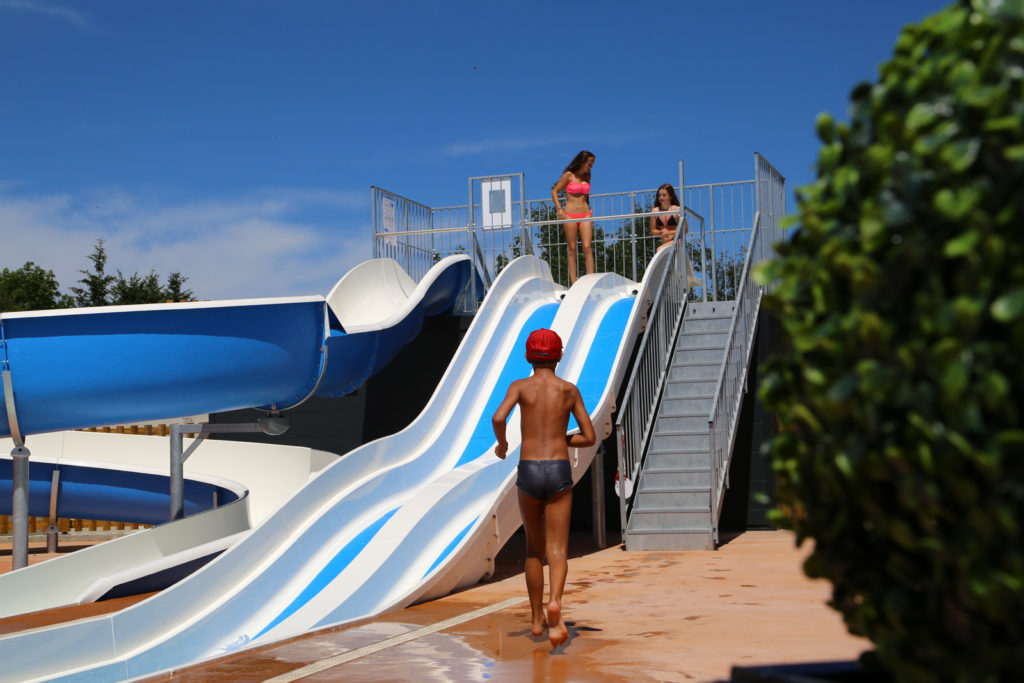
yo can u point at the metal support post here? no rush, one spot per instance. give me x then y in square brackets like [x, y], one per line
[53, 530]
[19, 552]
[177, 472]
[19, 473]
[597, 491]
[632, 236]
[273, 424]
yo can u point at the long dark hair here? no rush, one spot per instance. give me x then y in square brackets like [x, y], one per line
[671, 195]
[578, 161]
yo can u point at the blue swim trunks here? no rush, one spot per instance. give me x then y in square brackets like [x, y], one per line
[542, 479]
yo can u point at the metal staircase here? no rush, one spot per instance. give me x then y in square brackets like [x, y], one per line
[672, 500]
[680, 412]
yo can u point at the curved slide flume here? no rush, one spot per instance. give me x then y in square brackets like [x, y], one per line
[448, 534]
[261, 476]
[119, 364]
[400, 519]
[376, 309]
[88, 367]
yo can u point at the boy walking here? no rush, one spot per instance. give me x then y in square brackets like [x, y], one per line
[545, 477]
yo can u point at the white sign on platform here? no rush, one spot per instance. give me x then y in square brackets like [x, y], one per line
[388, 222]
[496, 203]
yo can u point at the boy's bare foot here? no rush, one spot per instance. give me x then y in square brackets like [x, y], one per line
[557, 632]
[539, 620]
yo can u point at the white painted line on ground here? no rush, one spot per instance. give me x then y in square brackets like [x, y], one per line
[323, 664]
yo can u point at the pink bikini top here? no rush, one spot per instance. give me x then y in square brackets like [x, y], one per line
[578, 188]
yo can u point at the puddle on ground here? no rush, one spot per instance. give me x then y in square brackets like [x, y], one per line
[496, 646]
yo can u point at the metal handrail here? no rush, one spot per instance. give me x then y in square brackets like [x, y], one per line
[657, 297]
[620, 243]
[731, 384]
[732, 378]
[381, 190]
[423, 231]
[611, 217]
[650, 370]
[485, 274]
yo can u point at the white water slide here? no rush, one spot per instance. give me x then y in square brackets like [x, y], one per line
[399, 520]
[80, 367]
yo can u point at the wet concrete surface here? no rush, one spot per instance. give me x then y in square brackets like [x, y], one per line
[637, 616]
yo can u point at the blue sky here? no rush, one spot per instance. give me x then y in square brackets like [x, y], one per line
[236, 141]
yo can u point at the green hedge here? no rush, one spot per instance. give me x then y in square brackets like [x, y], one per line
[901, 295]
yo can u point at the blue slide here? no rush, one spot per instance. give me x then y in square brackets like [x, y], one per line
[401, 519]
[78, 368]
[75, 368]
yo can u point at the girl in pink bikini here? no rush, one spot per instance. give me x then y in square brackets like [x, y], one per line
[575, 181]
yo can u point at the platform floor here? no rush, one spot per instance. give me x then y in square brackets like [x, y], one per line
[636, 616]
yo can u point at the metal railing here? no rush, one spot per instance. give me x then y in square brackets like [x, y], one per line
[731, 387]
[417, 236]
[627, 250]
[735, 225]
[637, 413]
[404, 230]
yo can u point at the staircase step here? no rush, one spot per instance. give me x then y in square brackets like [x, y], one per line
[698, 355]
[686, 406]
[669, 518]
[674, 498]
[690, 388]
[681, 441]
[675, 478]
[709, 371]
[682, 433]
[670, 539]
[669, 460]
[698, 338]
[713, 324]
[682, 423]
[711, 309]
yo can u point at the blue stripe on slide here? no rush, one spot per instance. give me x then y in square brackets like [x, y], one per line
[601, 355]
[450, 547]
[592, 380]
[330, 570]
[515, 368]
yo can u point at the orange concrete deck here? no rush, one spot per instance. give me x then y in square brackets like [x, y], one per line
[637, 616]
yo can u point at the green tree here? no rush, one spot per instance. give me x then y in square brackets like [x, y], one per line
[95, 289]
[517, 249]
[549, 241]
[726, 271]
[631, 243]
[900, 394]
[174, 291]
[550, 244]
[98, 288]
[137, 289]
[30, 288]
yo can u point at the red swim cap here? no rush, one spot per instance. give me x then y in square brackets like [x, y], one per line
[543, 346]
